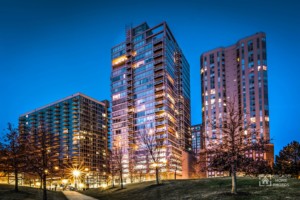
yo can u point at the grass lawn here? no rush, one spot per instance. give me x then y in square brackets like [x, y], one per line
[27, 193]
[217, 188]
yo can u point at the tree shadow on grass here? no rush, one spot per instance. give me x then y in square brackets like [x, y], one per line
[120, 189]
[150, 187]
[239, 194]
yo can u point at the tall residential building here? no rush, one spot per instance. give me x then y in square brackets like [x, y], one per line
[150, 85]
[77, 129]
[237, 73]
[196, 139]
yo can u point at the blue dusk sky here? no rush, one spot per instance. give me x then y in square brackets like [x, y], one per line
[52, 49]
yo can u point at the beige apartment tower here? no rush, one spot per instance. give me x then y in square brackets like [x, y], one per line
[237, 73]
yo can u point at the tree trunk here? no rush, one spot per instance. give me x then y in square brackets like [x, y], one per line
[16, 181]
[233, 179]
[41, 185]
[175, 173]
[121, 179]
[156, 173]
[140, 177]
[44, 187]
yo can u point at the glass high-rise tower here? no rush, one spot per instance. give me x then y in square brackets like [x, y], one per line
[150, 85]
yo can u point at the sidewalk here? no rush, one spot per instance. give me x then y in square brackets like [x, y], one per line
[72, 195]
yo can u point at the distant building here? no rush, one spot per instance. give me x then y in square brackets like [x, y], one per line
[237, 73]
[150, 86]
[78, 128]
[196, 141]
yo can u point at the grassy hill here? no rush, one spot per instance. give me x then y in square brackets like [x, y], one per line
[27, 193]
[217, 188]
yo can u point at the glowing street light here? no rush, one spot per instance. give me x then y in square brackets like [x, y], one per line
[76, 173]
[64, 181]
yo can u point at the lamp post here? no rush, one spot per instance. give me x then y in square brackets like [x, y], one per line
[76, 174]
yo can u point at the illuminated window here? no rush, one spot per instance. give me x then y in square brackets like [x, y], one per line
[119, 60]
[116, 96]
[264, 67]
[138, 64]
[140, 108]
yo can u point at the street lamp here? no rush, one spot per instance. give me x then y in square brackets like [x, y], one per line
[76, 173]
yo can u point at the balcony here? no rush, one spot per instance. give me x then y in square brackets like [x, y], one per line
[128, 54]
[158, 110]
[130, 111]
[66, 111]
[160, 123]
[157, 68]
[129, 125]
[159, 82]
[157, 55]
[158, 96]
[129, 86]
[157, 47]
[130, 117]
[159, 117]
[128, 62]
[158, 103]
[128, 46]
[157, 42]
[159, 89]
[129, 104]
[158, 61]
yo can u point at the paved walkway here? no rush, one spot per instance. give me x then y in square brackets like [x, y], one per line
[72, 195]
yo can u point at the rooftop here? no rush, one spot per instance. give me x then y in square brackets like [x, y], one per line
[63, 99]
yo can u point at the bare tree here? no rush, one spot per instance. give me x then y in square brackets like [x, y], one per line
[43, 153]
[117, 160]
[13, 151]
[140, 167]
[112, 171]
[238, 140]
[153, 146]
[131, 167]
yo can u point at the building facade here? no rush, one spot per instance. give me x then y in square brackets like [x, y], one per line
[150, 85]
[237, 73]
[77, 135]
[196, 139]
